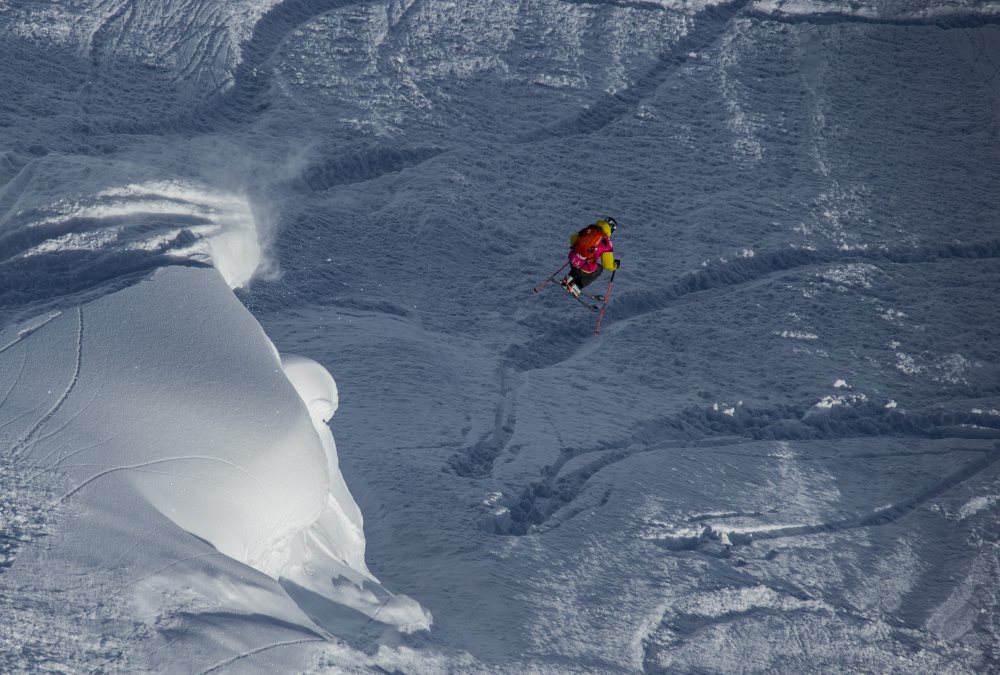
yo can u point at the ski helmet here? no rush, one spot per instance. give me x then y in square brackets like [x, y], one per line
[612, 223]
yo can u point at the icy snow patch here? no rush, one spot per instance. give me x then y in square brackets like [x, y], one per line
[689, 6]
[805, 7]
[796, 335]
[876, 9]
[854, 275]
[743, 123]
[741, 600]
[828, 402]
[977, 504]
[892, 315]
[727, 409]
[947, 369]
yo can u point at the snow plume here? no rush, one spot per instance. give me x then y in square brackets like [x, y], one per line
[70, 225]
[228, 238]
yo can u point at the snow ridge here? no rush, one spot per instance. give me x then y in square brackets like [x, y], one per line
[67, 235]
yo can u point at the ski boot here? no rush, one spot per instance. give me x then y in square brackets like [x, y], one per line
[570, 286]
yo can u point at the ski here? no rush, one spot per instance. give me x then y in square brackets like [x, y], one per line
[592, 307]
[545, 281]
[581, 298]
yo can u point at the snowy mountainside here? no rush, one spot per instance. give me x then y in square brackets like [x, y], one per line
[779, 455]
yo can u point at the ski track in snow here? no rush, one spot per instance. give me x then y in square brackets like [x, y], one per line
[552, 349]
[21, 445]
[477, 461]
[707, 29]
[533, 507]
[883, 516]
[134, 467]
[258, 650]
[27, 332]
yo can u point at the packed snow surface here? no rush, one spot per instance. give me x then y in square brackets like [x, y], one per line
[233, 232]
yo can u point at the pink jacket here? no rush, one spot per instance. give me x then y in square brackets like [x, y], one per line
[603, 254]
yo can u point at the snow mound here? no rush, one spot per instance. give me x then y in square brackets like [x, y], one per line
[169, 394]
[202, 423]
[327, 560]
[314, 384]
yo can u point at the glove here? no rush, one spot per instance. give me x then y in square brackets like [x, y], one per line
[617, 263]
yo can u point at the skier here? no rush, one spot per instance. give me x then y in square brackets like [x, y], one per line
[591, 253]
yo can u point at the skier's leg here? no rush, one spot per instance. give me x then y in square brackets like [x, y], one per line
[572, 281]
[584, 279]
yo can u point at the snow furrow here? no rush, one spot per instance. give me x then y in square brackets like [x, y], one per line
[25, 440]
[253, 652]
[705, 29]
[477, 461]
[947, 20]
[534, 507]
[180, 458]
[883, 516]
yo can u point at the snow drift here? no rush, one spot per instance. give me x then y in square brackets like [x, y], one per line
[168, 393]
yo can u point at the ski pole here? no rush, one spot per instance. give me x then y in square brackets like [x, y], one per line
[607, 295]
[550, 278]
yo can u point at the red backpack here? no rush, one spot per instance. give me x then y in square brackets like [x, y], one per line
[587, 241]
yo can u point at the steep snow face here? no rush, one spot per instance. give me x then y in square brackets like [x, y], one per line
[344, 532]
[198, 421]
[162, 411]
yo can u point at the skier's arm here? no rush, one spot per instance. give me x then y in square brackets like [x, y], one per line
[573, 237]
[608, 260]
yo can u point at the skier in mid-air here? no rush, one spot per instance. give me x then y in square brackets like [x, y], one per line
[591, 253]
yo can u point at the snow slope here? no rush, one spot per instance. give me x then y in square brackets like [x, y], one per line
[780, 454]
[165, 412]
